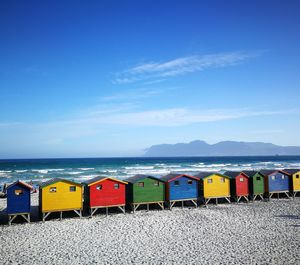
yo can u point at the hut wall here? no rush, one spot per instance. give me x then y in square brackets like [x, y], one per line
[108, 195]
[242, 186]
[258, 184]
[62, 199]
[278, 182]
[216, 188]
[296, 181]
[18, 203]
[183, 188]
[152, 191]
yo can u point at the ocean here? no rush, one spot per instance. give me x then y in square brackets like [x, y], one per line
[81, 169]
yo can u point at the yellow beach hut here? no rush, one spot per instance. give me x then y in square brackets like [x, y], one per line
[295, 179]
[213, 186]
[60, 195]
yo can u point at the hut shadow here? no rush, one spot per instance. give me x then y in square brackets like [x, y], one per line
[289, 216]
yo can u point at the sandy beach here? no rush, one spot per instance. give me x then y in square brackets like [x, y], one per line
[254, 233]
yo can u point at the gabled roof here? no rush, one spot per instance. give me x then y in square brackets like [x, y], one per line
[172, 176]
[99, 179]
[55, 180]
[139, 177]
[291, 171]
[267, 172]
[251, 173]
[234, 174]
[205, 174]
[19, 182]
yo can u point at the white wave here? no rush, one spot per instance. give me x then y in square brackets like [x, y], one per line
[86, 177]
[140, 167]
[86, 168]
[21, 171]
[55, 169]
[5, 171]
[172, 166]
[4, 175]
[74, 172]
[42, 171]
[111, 170]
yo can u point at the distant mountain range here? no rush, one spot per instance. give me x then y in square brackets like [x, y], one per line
[225, 148]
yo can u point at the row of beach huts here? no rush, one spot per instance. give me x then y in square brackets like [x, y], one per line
[61, 195]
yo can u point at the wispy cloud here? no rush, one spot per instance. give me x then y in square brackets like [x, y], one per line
[181, 66]
[136, 94]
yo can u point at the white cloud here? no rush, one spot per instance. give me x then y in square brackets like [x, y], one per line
[181, 66]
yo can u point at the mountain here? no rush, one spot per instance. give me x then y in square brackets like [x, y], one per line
[224, 148]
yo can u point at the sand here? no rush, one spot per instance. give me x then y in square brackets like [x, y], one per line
[254, 233]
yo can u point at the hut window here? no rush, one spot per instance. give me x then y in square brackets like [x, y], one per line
[241, 179]
[273, 177]
[99, 187]
[141, 184]
[222, 179]
[257, 178]
[282, 176]
[156, 183]
[116, 186]
[72, 188]
[176, 182]
[209, 181]
[297, 176]
[190, 182]
[52, 189]
[18, 192]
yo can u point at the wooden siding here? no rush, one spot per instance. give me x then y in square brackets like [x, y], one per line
[179, 189]
[61, 200]
[277, 181]
[296, 181]
[108, 195]
[18, 203]
[257, 184]
[149, 193]
[216, 188]
[240, 185]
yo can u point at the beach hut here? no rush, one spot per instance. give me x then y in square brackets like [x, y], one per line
[213, 186]
[276, 182]
[295, 180]
[105, 192]
[181, 188]
[256, 184]
[60, 195]
[239, 185]
[18, 201]
[145, 190]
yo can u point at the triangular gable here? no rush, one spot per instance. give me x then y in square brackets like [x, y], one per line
[177, 176]
[19, 182]
[218, 174]
[234, 175]
[141, 177]
[102, 179]
[53, 181]
[252, 173]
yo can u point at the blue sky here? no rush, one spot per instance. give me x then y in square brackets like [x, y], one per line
[111, 78]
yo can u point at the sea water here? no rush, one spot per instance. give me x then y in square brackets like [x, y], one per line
[81, 169]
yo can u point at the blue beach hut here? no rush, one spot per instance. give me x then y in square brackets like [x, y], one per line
[18, 201]
[276, 182]
[181, 188]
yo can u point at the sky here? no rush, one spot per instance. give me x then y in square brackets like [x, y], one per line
[111, 78]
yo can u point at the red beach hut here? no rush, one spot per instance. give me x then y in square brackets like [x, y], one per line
[239, 185]
[105, 192]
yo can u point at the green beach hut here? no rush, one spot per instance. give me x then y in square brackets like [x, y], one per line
[145, 190]
[256, 184]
